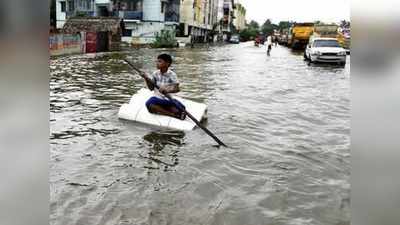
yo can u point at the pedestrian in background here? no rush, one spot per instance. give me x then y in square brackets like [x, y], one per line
[269, 45]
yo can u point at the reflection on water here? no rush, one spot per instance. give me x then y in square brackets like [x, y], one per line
[286, 122]
[160, 139]
[158, 157]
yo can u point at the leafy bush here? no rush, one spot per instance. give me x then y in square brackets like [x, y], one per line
[248, 34]
[165, 39]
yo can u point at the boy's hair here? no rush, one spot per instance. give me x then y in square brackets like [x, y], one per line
[167, 58]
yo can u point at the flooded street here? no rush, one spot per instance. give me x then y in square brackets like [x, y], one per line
[287, 125]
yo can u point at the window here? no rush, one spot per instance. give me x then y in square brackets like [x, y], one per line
[63, 6]
[127, 33]
[71, 6]
[162, 7]
[326, 43]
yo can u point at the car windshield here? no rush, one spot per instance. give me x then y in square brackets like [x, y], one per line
[326, 43]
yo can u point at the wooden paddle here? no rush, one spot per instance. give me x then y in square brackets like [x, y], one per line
[142, 74]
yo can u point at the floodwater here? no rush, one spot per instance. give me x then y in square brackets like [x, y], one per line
[287, 125]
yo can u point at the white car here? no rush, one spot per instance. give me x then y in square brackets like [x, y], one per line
[325, 50]
[234, 39]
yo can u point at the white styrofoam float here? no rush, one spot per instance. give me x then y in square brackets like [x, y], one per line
[136, 111]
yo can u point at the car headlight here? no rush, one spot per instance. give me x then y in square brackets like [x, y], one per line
[342, 53]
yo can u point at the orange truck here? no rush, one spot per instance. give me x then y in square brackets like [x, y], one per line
[299, 34]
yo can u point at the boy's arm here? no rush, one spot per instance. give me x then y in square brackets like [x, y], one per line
[149, 82]
[170, 88]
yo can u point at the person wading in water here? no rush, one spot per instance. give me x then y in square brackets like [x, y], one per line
[269, 45]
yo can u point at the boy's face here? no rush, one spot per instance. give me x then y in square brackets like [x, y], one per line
[161, 64]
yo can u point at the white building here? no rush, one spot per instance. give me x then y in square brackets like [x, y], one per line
[68, 8]
[240, 17]
[225, 18]
[157, 15]
[142, 18]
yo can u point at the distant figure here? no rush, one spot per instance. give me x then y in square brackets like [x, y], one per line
[257, 41]
[269, 45]
[191, 41]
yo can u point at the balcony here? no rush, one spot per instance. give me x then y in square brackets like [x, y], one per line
[129, 15]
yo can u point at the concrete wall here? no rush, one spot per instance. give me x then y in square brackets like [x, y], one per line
[199, 16]
[215, 11]
[61, 44]
[152, 10]
[187, 12]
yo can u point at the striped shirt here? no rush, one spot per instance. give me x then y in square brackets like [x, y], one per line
[162, 79]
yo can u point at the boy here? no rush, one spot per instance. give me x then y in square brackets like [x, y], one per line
[168, 83]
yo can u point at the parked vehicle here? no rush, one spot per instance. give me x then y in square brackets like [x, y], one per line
[299, 35]
[283, 37]
[325, 30]
[235, 39]
[325, 50]
[332, 31]
[289, 37]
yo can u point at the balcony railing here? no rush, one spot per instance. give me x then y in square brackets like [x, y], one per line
[129, 15]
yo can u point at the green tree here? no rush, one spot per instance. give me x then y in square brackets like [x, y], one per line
[165, 39]
[268, 27]
[253, 25]
[251, 31]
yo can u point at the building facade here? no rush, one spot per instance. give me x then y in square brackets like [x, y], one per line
[202, 20]
[225, 19]
[240, 17]
[92, 8]
[142, 19]
[153, 16]
[191, 20]
[198, 17]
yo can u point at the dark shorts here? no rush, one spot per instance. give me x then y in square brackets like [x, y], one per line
[165, 103]
[269, 47]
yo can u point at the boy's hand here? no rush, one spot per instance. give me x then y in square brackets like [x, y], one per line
[163, 90]
[146, 76]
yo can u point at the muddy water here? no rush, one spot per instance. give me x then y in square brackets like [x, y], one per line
[286, 122]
